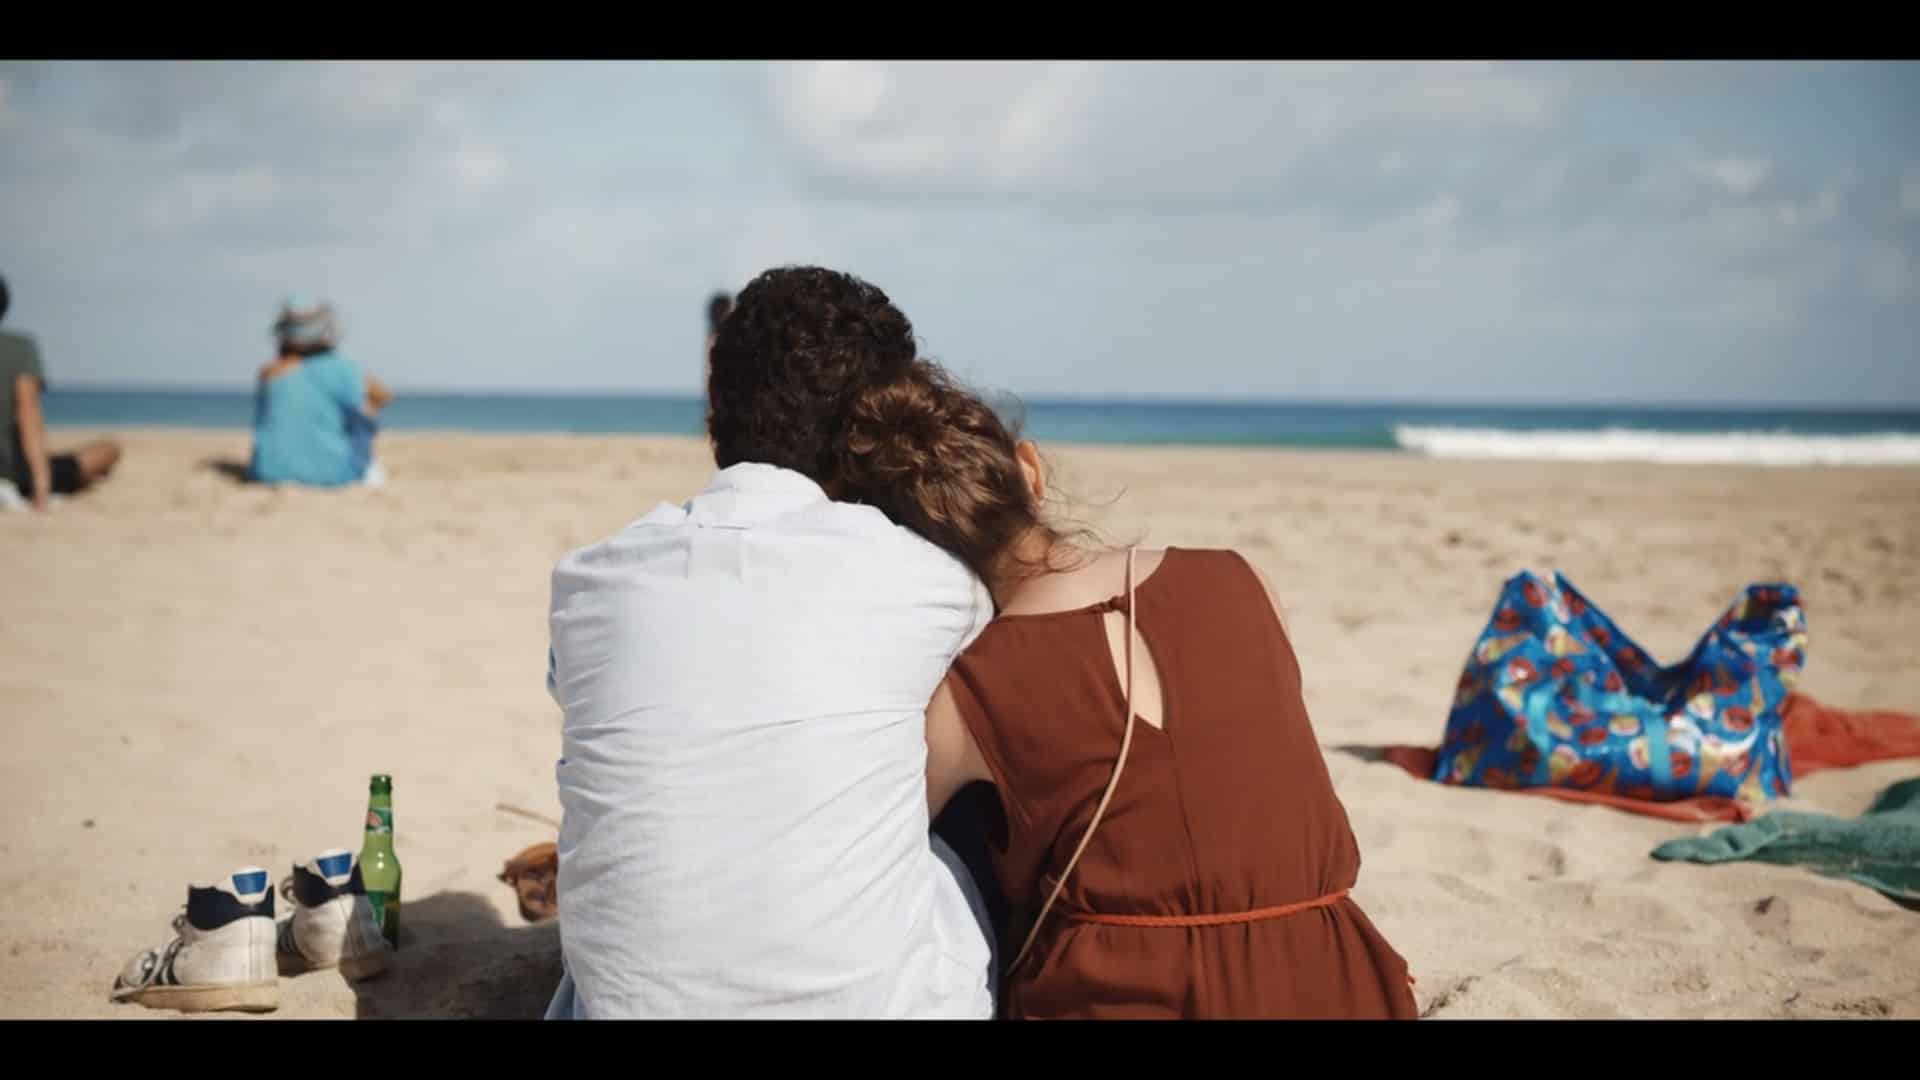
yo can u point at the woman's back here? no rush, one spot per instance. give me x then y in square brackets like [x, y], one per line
[1225, 808]
[303, 417]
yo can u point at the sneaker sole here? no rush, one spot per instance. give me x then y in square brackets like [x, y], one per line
[248, 997]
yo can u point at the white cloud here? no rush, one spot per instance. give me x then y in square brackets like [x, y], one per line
[193, 199]
[1821, 209]
[995, 125]
[1440, 214]
[1200, 135]
[479, 167]
[1740, 176]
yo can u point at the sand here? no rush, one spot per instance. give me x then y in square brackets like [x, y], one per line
[200, 675]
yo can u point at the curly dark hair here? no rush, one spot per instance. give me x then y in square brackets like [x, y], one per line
[788, 361]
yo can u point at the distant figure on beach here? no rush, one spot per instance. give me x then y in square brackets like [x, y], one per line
[744, 678]
[1165, 822]
[27, 466]
[717, 307]
[315, 411]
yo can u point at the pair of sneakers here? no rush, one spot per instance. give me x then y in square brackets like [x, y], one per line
[227, 949]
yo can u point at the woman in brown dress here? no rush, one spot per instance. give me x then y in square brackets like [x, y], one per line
[1185, 858]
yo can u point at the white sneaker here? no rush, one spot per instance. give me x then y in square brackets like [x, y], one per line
[333, 923]
[221, 957]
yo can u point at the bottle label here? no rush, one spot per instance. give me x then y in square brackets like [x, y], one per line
[380, 820]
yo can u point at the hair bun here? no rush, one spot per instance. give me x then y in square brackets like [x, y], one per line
[895, 429]
[937, 460]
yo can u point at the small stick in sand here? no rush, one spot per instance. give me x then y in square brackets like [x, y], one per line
[541, 818]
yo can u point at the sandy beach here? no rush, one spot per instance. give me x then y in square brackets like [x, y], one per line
[201, 675]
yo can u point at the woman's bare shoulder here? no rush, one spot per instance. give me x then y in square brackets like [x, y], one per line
[1266, 583]
[1095, 579]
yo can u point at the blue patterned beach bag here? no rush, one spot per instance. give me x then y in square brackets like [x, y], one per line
[1554, 695]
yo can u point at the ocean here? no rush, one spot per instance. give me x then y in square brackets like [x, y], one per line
[1554, 433]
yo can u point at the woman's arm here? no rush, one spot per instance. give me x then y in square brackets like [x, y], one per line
[378, 396]
[953, 760]
[1272, 597]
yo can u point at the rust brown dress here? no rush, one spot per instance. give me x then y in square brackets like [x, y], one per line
[1227, 809]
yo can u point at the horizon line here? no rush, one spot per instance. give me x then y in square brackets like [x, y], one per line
[403, 392]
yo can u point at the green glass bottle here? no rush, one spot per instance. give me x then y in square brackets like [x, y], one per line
[379, 866]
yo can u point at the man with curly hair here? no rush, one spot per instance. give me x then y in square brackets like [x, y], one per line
[744, 678]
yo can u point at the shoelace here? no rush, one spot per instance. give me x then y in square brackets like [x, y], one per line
[283, 930]
[163, 957]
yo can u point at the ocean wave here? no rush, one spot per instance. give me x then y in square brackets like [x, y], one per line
[1662, 447]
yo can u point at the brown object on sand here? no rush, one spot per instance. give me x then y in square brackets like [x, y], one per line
[535, 875]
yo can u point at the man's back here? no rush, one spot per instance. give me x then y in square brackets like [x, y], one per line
[744, 681]
[18, 356]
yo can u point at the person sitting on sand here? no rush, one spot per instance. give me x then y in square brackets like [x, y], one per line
[1170, 831]
[744, 679]
[27, 466]
[315, 411]
[717, 307]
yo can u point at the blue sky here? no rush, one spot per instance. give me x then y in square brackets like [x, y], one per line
[1450, 231]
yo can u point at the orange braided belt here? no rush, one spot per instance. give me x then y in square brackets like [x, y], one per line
[1230, 919]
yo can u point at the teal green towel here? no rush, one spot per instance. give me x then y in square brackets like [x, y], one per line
[1879, 849]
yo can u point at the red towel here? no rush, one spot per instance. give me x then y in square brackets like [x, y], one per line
[1818, 737]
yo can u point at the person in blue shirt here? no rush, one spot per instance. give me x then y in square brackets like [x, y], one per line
[315, 411]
